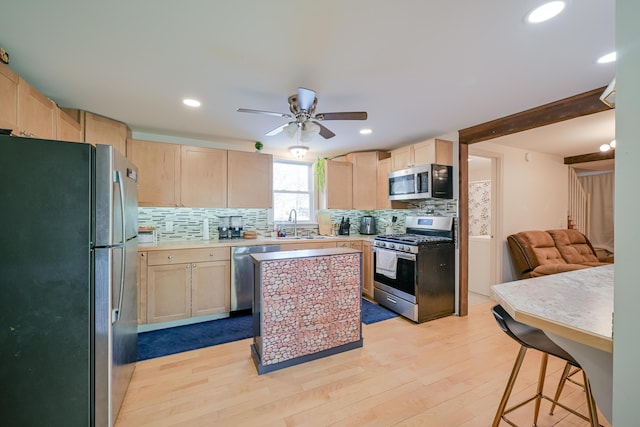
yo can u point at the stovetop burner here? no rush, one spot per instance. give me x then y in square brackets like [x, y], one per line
[412, 239]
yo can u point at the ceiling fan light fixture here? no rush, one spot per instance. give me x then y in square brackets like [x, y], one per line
[545, 12]
[298, 150]
[291, 129]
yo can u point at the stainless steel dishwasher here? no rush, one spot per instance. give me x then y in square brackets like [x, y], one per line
[242, 275]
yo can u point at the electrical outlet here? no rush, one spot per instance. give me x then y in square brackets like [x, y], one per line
[168, 226]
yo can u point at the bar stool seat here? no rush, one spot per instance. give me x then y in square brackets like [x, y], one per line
[530, 337]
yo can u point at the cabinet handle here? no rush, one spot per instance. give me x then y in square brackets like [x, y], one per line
[177, 205]
[142, 254]
[211, 254]
[170, 257]
[193, 265]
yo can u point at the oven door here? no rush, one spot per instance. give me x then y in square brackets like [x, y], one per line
[404, 285]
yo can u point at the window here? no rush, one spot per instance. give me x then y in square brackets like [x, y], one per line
[292, 189]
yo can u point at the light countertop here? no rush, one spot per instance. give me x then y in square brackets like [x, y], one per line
[308, 253]
[213, 243]
[577, 305]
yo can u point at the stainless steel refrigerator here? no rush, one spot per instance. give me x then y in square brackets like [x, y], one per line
[68, 288]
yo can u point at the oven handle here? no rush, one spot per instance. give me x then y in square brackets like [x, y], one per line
[403, 255]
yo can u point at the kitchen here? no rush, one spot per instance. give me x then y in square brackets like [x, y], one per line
[621, 211]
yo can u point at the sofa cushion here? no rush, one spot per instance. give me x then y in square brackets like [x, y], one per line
[543, 247]
[574, 247]
[546, 269]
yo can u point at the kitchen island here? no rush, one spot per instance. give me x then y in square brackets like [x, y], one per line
[575, 310]
[307, 305]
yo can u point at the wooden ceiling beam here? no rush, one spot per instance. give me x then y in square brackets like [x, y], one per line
[591, 157]
[558, 111]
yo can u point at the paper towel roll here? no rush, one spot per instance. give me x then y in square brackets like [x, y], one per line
[205, 229]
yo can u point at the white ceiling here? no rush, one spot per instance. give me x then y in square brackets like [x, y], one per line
[420, 68]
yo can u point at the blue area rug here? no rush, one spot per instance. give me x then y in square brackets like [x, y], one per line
[191, 337]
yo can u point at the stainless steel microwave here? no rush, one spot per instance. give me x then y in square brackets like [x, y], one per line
[421, 182]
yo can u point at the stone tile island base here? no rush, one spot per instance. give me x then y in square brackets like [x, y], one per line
[307, 305]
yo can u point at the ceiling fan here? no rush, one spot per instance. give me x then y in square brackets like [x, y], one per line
[303, 106]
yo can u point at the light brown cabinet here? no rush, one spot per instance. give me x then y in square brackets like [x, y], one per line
[200, 177]
[250, 180]
[158, 172]
[367, 268]
[431, 151]
[67, 128]
[102, 130]
[353, 245]
[187, 283]
[142, 287]
[338, 188]
[203, 177]
[36, 113]
[365, 173]
[8, 98]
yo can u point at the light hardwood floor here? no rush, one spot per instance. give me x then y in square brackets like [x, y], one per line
[447, 372]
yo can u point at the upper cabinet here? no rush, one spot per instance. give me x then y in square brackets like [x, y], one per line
[365, 178]
[185, 176]
[250, 180]
[37, 114]
[203, 177]
[337, 192]
[158, 172]
[102, 130]
[8, 98]
[431, 151]
[67, 128]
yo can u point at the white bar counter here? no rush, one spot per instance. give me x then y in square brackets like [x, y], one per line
[575, 310]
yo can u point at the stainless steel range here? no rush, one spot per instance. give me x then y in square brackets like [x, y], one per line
[414, 273]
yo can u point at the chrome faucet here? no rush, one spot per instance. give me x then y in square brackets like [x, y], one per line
[294, 214]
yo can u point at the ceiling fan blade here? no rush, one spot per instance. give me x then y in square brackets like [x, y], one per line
[324, 132]
[351, 115]
[270, 113]
[305, 98]
[276, 130]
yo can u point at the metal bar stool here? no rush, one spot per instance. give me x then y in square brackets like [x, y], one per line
[530, 337]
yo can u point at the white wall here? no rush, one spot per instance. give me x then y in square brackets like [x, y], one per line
[626, 345]
[534, 195]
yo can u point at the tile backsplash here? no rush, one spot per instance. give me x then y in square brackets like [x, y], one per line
[187, 223]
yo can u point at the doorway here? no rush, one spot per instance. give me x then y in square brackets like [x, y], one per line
[484, 223]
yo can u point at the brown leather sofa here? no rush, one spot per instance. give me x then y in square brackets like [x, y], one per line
[539, 253]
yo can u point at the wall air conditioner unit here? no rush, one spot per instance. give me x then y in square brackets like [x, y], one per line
[609, 94]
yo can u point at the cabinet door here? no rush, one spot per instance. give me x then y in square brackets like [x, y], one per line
[67, 129]
[367, 269]
[101, 130]
[210, 288]
[36, 113]
[355, 245]
[168, 292]
[444, 152]
[308, 245]
[424, 153]
[338, 185]
[203, 182]
[8, 98]
[250, 180]
[158, 172]
[142, 288]
[365, 166]
[401, 158]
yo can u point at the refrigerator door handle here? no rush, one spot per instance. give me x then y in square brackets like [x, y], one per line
[115, 314]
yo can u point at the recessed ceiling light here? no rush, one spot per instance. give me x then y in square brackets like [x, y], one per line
[612, 144]
[605, 147]
[545, 12]
[365, 131]
[191, 102]
[605, 59]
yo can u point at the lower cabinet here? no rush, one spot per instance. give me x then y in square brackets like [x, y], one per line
[179, 289]
[367, 269]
